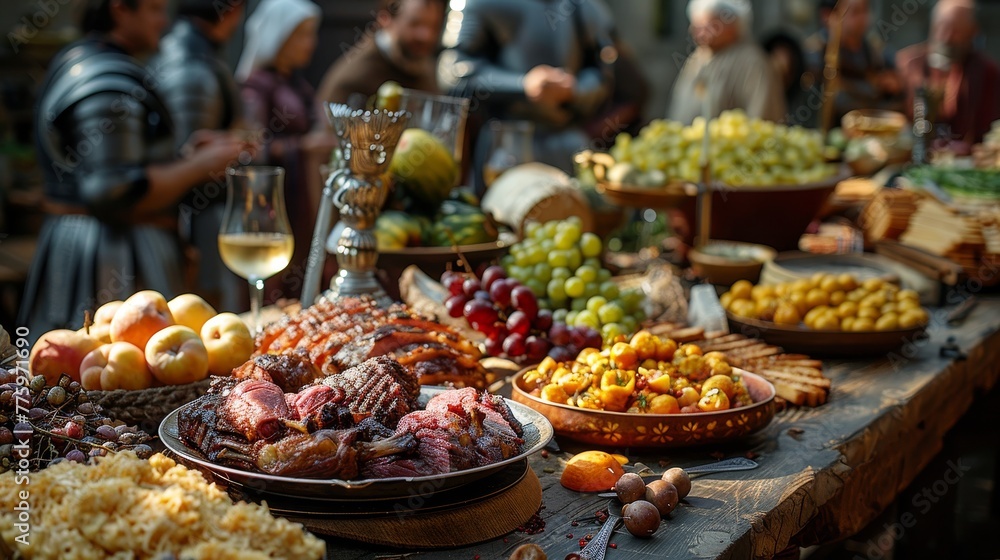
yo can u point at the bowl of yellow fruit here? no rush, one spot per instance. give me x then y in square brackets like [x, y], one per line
[828, 315]
[647, 392]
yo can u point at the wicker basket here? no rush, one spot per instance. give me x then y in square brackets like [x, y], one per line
[148, 407]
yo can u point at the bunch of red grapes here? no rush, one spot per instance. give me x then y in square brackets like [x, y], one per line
[507, 313]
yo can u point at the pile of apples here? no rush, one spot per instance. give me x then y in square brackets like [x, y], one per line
[145, 341]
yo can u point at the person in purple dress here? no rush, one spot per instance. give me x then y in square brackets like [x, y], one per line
[278, 103]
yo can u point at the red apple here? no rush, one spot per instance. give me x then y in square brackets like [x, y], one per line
[228, 342]
[139, 317]
[58, 352]
[119, 365]
[176, 355]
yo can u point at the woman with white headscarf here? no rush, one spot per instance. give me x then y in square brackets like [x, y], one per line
[280, 40]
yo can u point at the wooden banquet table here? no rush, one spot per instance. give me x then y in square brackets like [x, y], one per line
[824, 473]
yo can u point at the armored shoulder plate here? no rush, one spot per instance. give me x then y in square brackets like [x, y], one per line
[94, 93]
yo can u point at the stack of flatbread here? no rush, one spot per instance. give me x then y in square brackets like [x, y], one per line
[888, 214]
[970, 239]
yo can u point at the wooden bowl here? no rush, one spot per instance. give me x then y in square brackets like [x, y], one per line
[621, 429]
[773, 216]
[433, 261]
[790, 266]
[663, 197]
[830, 344]
[725, 262]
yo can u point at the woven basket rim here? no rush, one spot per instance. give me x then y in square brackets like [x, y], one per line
[151, 391]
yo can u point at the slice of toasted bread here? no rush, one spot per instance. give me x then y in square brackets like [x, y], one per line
[728, 346]
[801, 395]
[688, 334]
[785, 361]
[754, 352]
[821, 382]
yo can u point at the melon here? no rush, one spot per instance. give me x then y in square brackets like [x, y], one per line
[423, 167]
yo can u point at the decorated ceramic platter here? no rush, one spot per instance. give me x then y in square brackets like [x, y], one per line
[622, 429]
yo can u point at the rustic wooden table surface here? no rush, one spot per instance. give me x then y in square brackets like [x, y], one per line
[824, 472]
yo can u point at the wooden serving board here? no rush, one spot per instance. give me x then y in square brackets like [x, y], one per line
[463, 526]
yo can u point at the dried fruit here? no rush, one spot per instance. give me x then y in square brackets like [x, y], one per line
[529, 552]
[680, 479]
[642, 519]
[663, 495]
[591, 471]
[629, 488]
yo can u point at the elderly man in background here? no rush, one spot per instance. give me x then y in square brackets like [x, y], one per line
[962, 83]
[734, 70]
[403, 49]
[200, 93]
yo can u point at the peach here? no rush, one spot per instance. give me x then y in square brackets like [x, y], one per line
[176, 355]
[58, 352]
[228, 342]
[191, 311]
[101, 333]
[106, 312]
[139, 317]
[101, 325]
[119, 365]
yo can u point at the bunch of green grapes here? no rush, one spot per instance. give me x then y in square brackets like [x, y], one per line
[562, 266]
[743, 151]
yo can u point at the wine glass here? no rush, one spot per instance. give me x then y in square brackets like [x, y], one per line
[256, 240]
[511, 147]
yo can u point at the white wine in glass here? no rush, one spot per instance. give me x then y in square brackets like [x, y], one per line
[256, 239]
[256, 255]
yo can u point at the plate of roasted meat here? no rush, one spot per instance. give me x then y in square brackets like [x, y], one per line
[337, 333]
[370, 431]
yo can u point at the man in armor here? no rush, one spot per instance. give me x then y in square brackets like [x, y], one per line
[199, 91]
[112, 180]
[545, 62]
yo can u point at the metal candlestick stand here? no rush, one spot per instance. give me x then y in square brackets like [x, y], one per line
[367, 141]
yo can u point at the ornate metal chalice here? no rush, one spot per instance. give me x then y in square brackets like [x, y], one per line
[358, 189]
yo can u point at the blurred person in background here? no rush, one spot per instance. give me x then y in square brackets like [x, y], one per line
[403, 49]
[735, 70]
[624, 110]
[963, 83]
[200, 93]
[278, 101]
[867, 77]
[789, 65]
[112, 179]
[530, 60]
